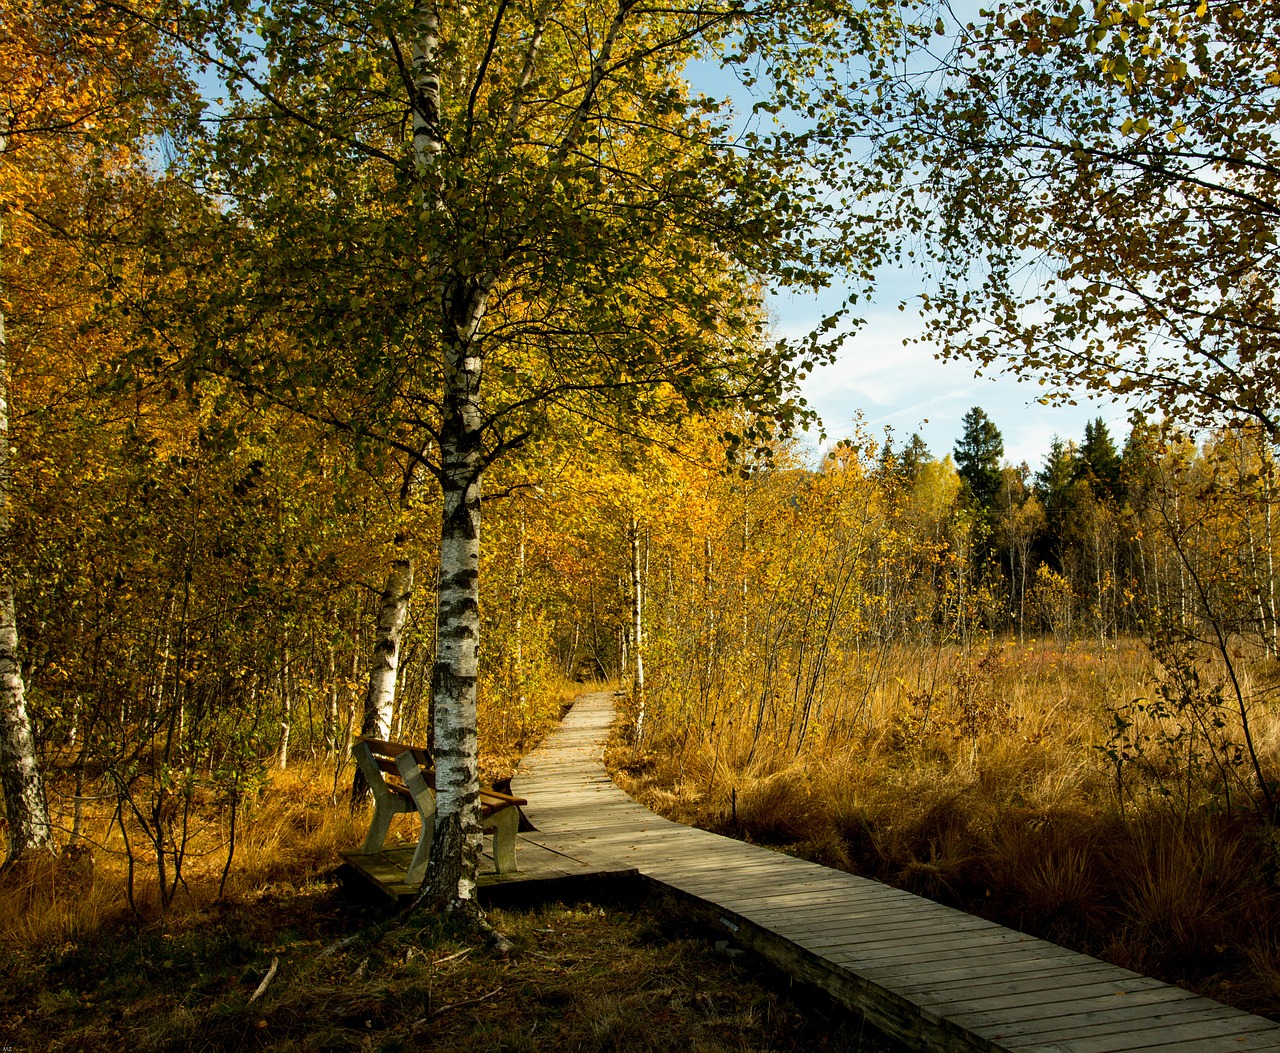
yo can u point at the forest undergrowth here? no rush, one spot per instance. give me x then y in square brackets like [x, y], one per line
[1085, 794]
[288, 831]
[282, 955]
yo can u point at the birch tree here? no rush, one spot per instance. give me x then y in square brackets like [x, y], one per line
[24, 800]
[447, 226]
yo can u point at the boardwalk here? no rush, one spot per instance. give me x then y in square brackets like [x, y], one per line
[931, 976]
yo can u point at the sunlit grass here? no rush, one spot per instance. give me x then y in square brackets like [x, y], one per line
[988, 780]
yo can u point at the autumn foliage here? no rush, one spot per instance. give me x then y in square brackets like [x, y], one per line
[1048, 688]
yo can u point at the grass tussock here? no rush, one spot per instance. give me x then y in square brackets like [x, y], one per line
[996, 781]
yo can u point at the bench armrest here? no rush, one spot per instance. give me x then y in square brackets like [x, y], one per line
[505, 797]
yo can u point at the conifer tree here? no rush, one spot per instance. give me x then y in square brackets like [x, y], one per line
[978, 453]
[1099, 462]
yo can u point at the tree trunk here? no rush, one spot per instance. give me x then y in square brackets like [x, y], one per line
[451, 874]
[393, 611]
[522, 696]
[638, 627]
[286, 712]
[381, 696]
[24, 799]
[1272, 626]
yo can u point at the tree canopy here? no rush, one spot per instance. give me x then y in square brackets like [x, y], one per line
[437, 229]
[1096, 187]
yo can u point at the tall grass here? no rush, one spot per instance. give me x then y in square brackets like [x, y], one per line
[994, 779]
[288, 833]
[291, 832]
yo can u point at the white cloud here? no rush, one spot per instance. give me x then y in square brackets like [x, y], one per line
[907, 388]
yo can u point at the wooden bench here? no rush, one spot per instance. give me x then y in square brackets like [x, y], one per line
[402, 779]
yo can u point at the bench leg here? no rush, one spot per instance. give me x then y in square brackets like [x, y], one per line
[505, 823]
[379, 826]
[422, 854]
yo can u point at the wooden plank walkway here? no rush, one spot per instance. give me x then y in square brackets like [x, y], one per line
[932, 977]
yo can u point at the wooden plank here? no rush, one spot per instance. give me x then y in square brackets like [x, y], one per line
[834, 913]
[965, 977]
[751, 873]
[923, 948]
[937, 978]
[817, 931]
[1012, 1007]
[835, 902]
[1002, 965]
[1112, 1021]
[806, 918]
[965, 986]
[1220, 1034]
[836, 893]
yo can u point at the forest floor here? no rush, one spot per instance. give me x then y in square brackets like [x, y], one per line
[590, 976]
[92, 963]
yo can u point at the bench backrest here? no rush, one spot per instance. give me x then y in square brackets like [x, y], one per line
[384, 755]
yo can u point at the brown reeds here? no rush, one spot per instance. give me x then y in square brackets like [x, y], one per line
[997, 783]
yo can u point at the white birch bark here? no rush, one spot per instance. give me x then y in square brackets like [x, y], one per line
[452, 872]
[465, 288]
[23, 787]
[393, 610]
[455, 859]
[286, 713]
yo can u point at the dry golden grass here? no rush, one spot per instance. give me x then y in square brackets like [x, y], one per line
[977, 779]
[83, 972]
[291, 832]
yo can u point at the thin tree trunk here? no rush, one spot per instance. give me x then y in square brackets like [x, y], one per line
[393, 612]
[1271, 632]
[1272, 627]
[637, 629]
[286, 715]
[380, 698]
[522, 696]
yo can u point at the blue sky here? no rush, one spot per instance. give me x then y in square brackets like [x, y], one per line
[905, 386]
[909, 389]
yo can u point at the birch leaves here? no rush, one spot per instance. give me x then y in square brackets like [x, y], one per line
[1097, 187]
[448, 225]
